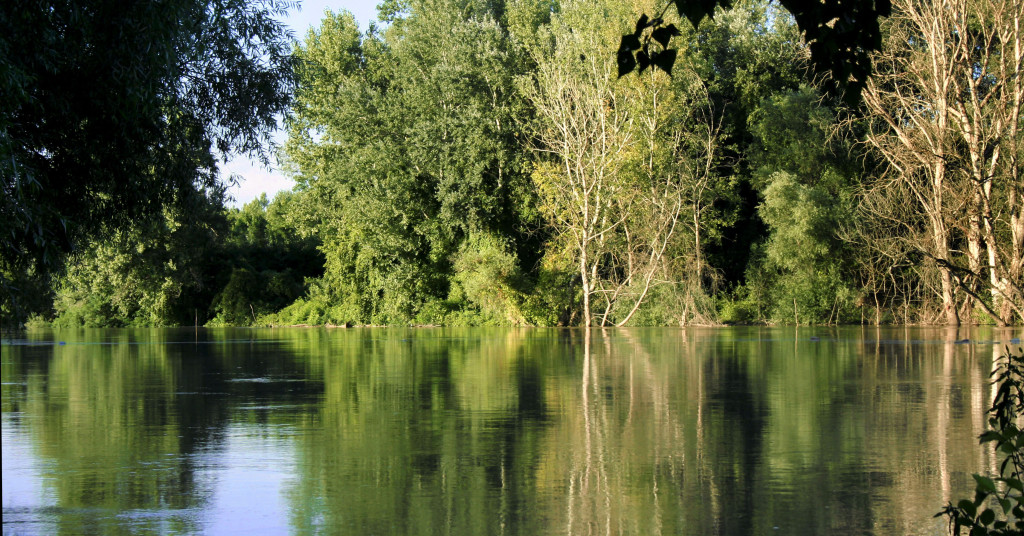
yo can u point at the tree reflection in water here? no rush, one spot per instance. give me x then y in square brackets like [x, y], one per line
[500, 431]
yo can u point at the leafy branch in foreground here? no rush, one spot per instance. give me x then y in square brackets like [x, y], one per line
[982, 515]
[841, 35]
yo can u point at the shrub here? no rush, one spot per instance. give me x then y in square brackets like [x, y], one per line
[995, 498]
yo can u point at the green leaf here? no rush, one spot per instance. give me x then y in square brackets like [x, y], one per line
[664, 60]
[990, 435]
[665, 34]
[629, 42]
[987, 517]
[985, 483]
[1005, 503]
[1015, 484]
[968, 507]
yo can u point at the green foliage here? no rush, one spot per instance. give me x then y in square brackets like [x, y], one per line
[248, 296]
[408, 144]
[803, 250]
[487, 276]
[794, 131]
[206, 265]
[148, 275]
[802, 272]
[998, 505]
[410, 147]
[554, 297]
[744, 56]
[677, 304]
[112, 114]
[745, 310]
[433, 185]
[25, 292]
[267, 260]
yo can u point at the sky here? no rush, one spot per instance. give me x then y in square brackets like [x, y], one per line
[255, 179]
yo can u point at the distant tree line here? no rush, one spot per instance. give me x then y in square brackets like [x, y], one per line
[470, 162]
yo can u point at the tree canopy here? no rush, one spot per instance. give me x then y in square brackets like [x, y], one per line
[114, 110]
[483, 162]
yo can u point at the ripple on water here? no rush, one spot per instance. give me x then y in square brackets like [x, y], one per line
[265, 380]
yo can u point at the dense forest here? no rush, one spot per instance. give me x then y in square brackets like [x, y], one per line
[467, 162]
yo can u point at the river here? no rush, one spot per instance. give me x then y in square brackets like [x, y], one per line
[733, 431]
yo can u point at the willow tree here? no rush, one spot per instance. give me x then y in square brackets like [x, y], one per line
[112, 113]
[944, 110]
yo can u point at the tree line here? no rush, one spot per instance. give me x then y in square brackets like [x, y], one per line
[471, 162]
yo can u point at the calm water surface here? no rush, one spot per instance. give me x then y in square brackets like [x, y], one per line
[741, 431]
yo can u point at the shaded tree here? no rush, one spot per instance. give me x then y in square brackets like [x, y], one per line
[113, 111]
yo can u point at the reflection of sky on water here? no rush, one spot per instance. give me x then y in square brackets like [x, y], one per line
[22, 483]
[247, 476]
[250, 473]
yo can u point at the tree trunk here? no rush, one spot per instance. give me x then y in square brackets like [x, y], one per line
[585, 282]
[974, 248]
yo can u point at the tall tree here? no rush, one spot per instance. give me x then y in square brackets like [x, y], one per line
[587, 131]
[407, 139]
[806, 176]
[626, 178]
[989, 66]
[944, 108]
[114, 110]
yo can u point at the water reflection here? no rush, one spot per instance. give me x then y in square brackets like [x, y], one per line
[493, 431]
[121, 424]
